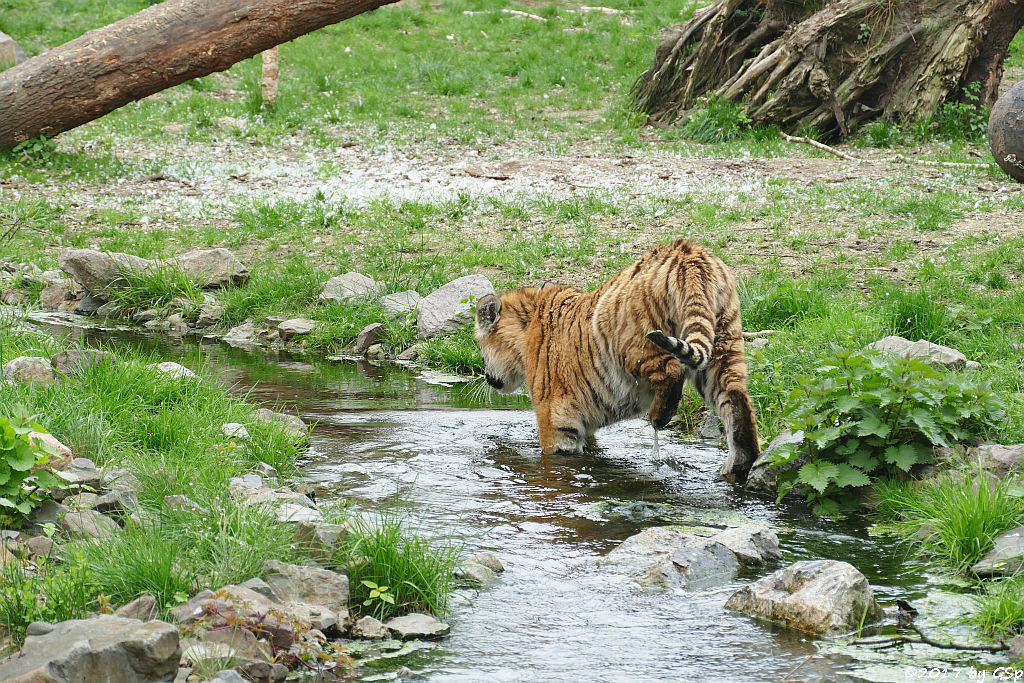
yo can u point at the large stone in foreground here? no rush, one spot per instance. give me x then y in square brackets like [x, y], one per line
[824, 597]
[933, 354]
[1006, 557]
[104, 648]
[450, 307]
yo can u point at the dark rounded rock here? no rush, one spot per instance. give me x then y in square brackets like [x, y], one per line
[1006, 132]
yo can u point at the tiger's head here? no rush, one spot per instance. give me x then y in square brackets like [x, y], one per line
[502, 340]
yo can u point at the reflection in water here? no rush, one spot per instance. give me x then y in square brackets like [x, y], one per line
[475, 471]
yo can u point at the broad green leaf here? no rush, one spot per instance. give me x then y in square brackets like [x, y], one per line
[848, 403]
[45, 479]
[864, 460]
[21, 457]
[368, 584]
[851, 476]
[904, 457]
[872, 425]
[6, 502]
[818, 475]
[386, 597]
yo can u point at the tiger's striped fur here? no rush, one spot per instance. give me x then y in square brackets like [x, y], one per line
[625, 349]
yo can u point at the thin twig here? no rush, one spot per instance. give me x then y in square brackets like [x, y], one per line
[795, 668]
[804, 140]
[926, 640]
[899, 158]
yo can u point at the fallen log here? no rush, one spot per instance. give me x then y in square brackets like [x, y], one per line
[159, 47]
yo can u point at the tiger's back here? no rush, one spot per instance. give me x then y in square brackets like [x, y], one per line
[591, 359]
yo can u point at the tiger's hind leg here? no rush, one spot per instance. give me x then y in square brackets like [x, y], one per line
[723, 383]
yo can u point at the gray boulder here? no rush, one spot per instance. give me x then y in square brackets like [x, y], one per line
[296, 514]
[764, 477]
[210, 267]
[450, 307]
[209, 315]
[103, 648]
[98, 271]
[85, 472]
[1017, 648]
[417, 625]
[10, 52]
[30, 370]
[400, 303]
[933, 354]
[1006, 556]
[87, 524]
[143, 608]
[235, 430]
[242, 336]
[51, 297]
[310, 585]
[296, 327]
[74, 361]
[998, 459]
[752, 544]
[295, 426]
[344, 288]
[370, 628]
[660, 557]
[824, 597]
[172, 369]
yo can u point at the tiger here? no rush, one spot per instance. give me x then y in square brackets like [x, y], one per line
[590, 359]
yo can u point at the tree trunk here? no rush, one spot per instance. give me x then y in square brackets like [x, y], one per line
[145, 53]
[835, 68]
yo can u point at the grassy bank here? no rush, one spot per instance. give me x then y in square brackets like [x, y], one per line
[167, 432]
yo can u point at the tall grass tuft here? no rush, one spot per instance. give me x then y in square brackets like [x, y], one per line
[156, 286]
[1000, 607]
[917, 314]
[961, 513]
[418, 570]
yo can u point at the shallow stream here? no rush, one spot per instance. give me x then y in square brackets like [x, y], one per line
[469, 465]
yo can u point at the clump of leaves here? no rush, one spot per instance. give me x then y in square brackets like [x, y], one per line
[24, 481]
[871, 415]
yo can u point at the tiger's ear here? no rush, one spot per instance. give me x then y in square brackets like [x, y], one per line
[488, 310]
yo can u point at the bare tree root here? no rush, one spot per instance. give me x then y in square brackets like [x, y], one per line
[830, 68]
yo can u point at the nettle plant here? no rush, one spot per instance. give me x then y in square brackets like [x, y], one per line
[870, 415]
[24, 481]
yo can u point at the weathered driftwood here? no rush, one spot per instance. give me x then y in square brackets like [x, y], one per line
[832, 68]
[159, 47]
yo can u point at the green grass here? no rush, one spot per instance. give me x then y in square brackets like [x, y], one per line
[44, 591]
[156, 286]
[962, 512]
[387, 550]
[1000, 607]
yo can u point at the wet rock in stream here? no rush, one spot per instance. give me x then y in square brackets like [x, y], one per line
[662, 557]
[824, 597]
